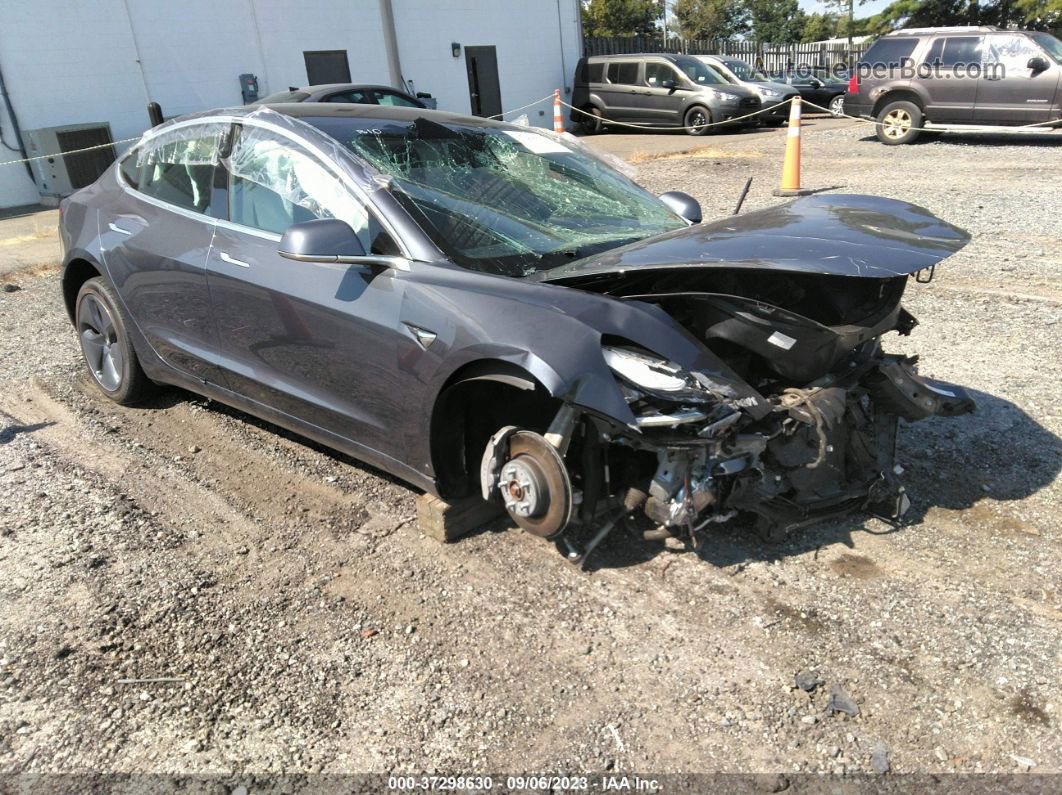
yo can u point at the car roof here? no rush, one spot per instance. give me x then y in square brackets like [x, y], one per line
[952, 29]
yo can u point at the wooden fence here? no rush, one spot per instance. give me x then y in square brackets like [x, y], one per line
[769, 57]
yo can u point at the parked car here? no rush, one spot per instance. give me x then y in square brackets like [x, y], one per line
[773, 96]
[656, 90]
[819, 86]
[482, 308]
[1018, 80]
[349, 92]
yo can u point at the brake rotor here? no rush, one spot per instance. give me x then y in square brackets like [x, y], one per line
[535, 486]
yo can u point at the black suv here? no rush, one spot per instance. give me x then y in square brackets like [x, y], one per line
[954, 76]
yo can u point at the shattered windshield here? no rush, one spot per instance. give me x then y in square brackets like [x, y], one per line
[510, 200]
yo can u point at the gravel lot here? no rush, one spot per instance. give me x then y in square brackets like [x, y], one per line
[299, 622]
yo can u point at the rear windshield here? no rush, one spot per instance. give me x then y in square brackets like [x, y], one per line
[283, 96]
[504, 200]
[889, 52]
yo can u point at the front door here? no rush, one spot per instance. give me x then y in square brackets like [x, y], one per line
[1009, 92]
[317, 341]
[156, 244]
[484, 90]
[657, 104]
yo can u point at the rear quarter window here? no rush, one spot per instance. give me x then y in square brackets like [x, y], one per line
[594, 73]
[889, 52]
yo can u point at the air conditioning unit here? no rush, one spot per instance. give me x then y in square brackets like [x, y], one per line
[58, 175]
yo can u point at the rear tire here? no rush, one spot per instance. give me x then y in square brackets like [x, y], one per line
[102, 327]
[592, 124]
[695, 118]
[837, 105]
[897, 123]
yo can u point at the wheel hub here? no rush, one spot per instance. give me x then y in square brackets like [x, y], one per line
[521, 485]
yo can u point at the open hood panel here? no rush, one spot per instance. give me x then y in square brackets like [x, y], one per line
[838, 235]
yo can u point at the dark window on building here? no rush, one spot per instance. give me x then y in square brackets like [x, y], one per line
[327, 66]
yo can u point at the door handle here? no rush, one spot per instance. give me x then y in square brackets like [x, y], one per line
[116, 228]
[233, 261]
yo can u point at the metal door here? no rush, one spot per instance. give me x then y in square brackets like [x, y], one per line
[484, 90]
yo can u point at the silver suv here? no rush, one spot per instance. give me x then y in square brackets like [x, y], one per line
[775, 96]
[957, 76]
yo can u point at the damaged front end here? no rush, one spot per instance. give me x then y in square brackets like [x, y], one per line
[803, 427]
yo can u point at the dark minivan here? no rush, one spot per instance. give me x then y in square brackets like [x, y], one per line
[957, 76]
[656, 90]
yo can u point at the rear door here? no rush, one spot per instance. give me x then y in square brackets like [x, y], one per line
[157, 243]
[317, 341]
[621, 90]
[1009, 92]
[952, 83]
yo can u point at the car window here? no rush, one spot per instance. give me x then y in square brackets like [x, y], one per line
[953, 50]
[889, 51]
[357, 96]
[624, 72]
[273, 184]
[656, 73]
[1049, 43]
[177, 166]
[595, 73]
[394, 98]
[1012, 52]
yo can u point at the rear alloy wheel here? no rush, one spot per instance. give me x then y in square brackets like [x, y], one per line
[695, 119]
[105, 345]
[591, 122]
[899, 123]
[837, 105]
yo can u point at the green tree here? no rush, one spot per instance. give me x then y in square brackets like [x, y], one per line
[777, 21]
[712, 19]
[620, 17]
[819, 27]
[936, 13]
[1041, 14]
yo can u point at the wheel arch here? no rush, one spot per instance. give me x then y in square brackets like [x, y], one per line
[898, 95]
[476, 400]
[76, 272]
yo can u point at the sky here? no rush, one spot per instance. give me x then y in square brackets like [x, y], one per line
[861, 10]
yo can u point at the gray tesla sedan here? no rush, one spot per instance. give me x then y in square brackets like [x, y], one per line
[487, 309]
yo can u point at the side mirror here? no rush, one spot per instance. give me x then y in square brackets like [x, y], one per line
[1037, 64]
[683, 204]
[321, 240]
[815, 82]
[670, 85]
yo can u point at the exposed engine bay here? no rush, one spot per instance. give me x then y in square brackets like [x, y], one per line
[819, 441]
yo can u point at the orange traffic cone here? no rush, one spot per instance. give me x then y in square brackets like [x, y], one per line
[791, 165]
[558, 119]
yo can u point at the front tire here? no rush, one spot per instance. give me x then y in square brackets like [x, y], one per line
[898, 123]
[837, 105]
[695, 119]
[102, 328]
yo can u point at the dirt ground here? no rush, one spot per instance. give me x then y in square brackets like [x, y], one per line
[186, 589]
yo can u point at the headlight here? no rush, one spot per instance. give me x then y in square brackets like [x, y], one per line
[656, 376]
[769, 93]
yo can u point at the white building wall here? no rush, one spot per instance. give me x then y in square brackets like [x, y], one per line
[93, 61]
[537, 43]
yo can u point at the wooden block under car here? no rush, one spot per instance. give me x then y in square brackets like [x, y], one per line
[448, 521]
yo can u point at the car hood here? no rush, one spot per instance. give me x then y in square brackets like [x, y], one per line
[781, 88]
[841, 235]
